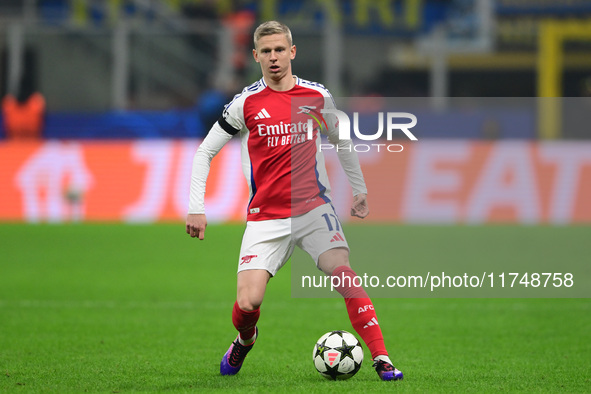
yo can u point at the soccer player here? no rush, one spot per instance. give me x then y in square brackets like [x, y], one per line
[290, 200]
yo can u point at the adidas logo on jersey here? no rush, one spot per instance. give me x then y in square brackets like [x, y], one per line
[337, 237]
[263, 114]
[372, 322]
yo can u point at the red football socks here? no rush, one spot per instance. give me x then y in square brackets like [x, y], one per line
[245, 321]
[360, 309]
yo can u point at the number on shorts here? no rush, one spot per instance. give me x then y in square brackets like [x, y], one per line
[327, 216]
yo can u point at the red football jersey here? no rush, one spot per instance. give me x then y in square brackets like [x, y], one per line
[281, 159]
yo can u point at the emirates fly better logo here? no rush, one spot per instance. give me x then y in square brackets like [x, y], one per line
[344, 125]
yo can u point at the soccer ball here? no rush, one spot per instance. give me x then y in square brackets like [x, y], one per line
[337, 355]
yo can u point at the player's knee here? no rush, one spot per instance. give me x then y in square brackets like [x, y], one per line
[251, 289]
[248, 304]
[331, 259]
[249, 298]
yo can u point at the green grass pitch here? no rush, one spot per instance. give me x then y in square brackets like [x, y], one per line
[132, 308]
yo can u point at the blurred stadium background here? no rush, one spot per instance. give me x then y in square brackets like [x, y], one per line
[130, 88]
[115, 97]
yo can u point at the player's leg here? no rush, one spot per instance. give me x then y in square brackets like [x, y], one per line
[362, 314]
[265, 248]
[251, 286]
[319, 233]
[335, 263]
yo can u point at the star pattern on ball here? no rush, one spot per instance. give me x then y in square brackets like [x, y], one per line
[330, 352]
[333, 371]
[321, 348]
[346, 351]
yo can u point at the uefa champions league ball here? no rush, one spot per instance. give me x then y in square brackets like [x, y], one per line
[337, 355]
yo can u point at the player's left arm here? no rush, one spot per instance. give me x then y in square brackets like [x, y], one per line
[359, 207]
[350, 163]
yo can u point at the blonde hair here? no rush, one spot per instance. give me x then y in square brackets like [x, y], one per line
[272, 27]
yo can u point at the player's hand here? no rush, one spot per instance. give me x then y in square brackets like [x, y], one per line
[359, 207]
[196, 224]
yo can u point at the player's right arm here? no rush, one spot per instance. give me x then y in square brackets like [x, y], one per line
[196, 223]
[211, 145]
[229, 124]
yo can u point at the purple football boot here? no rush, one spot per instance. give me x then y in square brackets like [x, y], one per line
[232, 360]
[387, 371]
